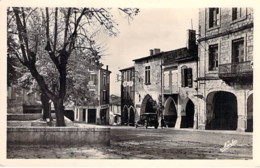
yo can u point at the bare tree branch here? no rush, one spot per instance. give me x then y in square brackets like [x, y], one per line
[55, 30]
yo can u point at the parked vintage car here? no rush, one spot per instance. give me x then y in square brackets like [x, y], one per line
[148, 120]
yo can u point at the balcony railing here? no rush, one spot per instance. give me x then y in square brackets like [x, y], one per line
[236, 69]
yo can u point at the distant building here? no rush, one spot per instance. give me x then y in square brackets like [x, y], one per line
[148, 82]
[115, 110]
[128, 111]
[225, 78]
[97, 111]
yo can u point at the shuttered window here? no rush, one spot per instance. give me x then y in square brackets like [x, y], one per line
[189, 77]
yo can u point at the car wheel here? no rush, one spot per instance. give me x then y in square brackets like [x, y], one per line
[155, 127]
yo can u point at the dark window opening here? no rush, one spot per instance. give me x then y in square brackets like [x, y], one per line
[214, 17]
[213, 57]
[186, 77]
[238, 50]
[238, 13]
[104, 95]
[147, 75]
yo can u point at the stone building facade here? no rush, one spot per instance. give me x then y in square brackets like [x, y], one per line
[96, 112]
[128, 110]
[148, 85]
[179, 88]
[225, 72]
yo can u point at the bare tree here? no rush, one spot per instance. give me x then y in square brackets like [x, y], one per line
[55, 34]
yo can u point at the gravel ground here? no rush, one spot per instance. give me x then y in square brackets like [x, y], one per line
[140, 143]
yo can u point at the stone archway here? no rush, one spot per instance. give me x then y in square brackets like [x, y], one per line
[131, 116]
[221, 111]
[147, 105]
[249, 127]
[125, 116]
[170, 112]
[187, 121]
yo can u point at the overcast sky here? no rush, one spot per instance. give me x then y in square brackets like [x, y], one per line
[151, 28]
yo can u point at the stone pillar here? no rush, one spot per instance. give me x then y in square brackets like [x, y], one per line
[195, 118]
[241, 111]
[202, 115]
[98, 119]
[86, 111]
[178, 121]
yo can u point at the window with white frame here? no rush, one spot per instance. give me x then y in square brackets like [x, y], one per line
[93, 78]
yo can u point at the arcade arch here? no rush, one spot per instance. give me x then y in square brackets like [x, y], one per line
[170, 112]
[221, 111]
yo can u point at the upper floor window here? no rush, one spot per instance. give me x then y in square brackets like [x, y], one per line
[147, 75]
[104, 80]
[104, 95]
[127, 75]
[166, 79]
[238, 54]
[130, 75]
[213, 57]
[238, 13]
[186, 77]
[214, 17]
[122, 76]
[93, 78]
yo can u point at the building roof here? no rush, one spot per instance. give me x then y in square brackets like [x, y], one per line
[180, 55]
[124, 69]
[149, 57]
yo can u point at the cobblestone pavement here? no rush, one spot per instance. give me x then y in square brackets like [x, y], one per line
[141, 143]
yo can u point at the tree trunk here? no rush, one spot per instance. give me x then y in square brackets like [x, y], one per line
[46, 108]
[59, 111]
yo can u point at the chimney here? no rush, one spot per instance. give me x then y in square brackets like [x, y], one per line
[157, 51]
[191, 39]
[151, 52]
[107, 67]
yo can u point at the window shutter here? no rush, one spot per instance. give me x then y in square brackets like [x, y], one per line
[234, 13]
[182, 78]
[170, 80]
[218, 17]
[189, 77]
[149, 80]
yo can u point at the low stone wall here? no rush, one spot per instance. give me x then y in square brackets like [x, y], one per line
[25, 117]
[58, 136]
